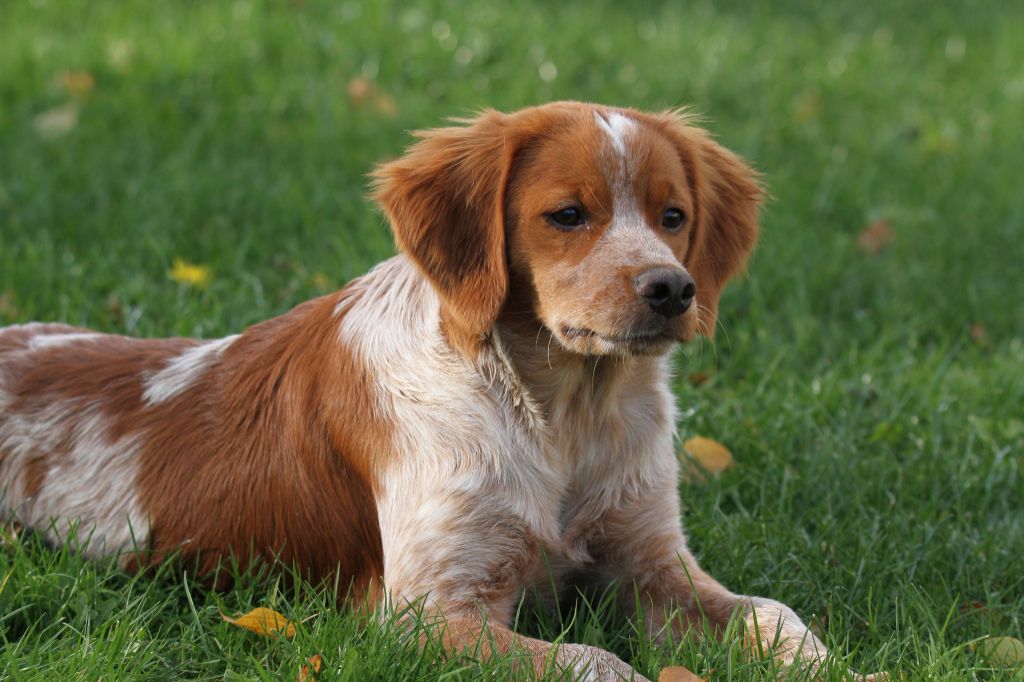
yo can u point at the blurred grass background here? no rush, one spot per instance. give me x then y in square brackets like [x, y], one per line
[871, 391]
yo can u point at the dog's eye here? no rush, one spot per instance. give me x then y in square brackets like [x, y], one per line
[566, 218]
[673, 219]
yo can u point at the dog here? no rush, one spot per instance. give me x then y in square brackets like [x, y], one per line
[486, 410]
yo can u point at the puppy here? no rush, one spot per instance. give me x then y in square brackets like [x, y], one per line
[486, 408]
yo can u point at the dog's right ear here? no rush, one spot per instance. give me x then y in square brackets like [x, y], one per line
[445, 199]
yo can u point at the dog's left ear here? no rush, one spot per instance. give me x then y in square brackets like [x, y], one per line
[445, 199]
[726, 196]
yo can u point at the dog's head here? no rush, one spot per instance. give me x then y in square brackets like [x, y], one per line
[615, 228]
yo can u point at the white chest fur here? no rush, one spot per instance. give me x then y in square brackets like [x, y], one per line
[546, 440]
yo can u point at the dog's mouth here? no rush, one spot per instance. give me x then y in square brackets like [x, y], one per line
[634, 342]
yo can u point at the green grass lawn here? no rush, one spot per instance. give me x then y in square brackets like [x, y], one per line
[874, 402]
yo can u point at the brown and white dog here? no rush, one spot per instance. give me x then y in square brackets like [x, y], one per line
[487, 407]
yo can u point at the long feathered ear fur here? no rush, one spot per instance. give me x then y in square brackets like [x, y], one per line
[727, 195]
[445, 200]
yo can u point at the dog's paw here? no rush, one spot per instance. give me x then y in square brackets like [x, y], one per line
[594, 665]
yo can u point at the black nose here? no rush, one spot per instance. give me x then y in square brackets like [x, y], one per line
[669, 291]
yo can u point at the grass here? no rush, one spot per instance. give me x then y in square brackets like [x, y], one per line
[874, 403]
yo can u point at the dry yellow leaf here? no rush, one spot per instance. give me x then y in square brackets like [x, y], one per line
[385, 104]
[263, 621]
[316, 661]
[189, 273]
[875, 237]
[362, 91]
[77, 83]
[1002, 652]
[320, 281]
[358, 90]
[677, 673]
[979, 334]
[699, 378]
[712, 456]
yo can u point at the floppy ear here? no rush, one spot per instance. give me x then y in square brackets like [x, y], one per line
[726, 195]
[445, 199]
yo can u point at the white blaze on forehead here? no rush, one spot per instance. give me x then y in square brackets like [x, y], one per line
[618, 167]
[616, 127]
[628, 241]
[183, 371]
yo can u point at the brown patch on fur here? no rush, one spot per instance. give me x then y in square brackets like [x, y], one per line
[274, 446]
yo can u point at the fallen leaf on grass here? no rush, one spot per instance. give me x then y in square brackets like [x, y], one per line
[875, 238]
[1002, 652]
[55, 122]
[979, 334]
[310, 669]
[971, 606]
[699, 378]
[358, 90]
[362, 91]
[189, 273]
[712, 456]
[677, 673]
[263, 621]
[77, 83]
[385, 104]
[320, 281]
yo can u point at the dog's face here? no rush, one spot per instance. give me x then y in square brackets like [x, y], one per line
[614, 228]
[598, 223]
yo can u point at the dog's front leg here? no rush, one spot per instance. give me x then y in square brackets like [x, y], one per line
[463, 559]
[641, 542]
